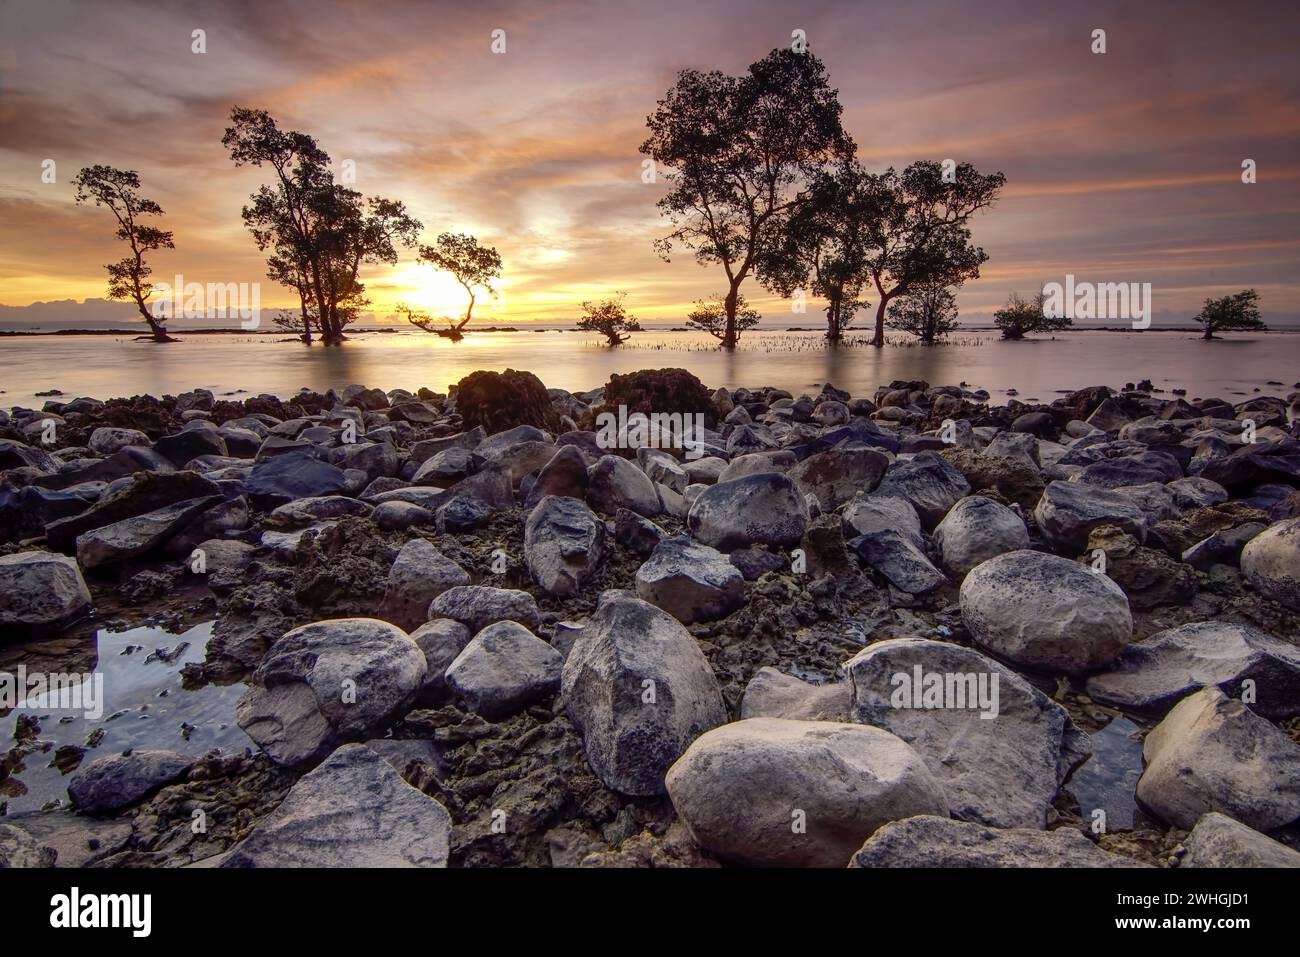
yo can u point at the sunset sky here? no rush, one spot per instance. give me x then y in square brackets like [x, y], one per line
[1121, 167]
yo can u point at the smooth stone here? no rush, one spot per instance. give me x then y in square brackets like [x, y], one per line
[504, 669]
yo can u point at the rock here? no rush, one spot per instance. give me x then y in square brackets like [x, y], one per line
[639, 534]
[771, 694]
[843, 781]
[504, 669]
[446, 468]
[1212, 753]
[705, 471]
[875, 513]
[614, 483]
[1045, 613]
[754, 563]
[894, 556]
[781, 460]
[1197, 492]
[1011, 477]
[1219, 841]
[503, 400]
[309, 511]
[477, 606]
[639, 691]
[1260, 463]
[833, 477]
[999, 746]
[16, 455]
[691, 582]
[330, 682]
[565, 475]
[929, 482]
[762, 509]
[1271, 563]
[40, 594]
[977, 529]
[1131, 470]
[375, 459]
[190, 443]
[1148, 577]
[419, 574]
[144, 492]
[1069, 511]
[936, 842]
[20, 849]
[119, 780]
[353, 810]
[290, 476]
[1109, 416]
[136, 536]
[225, 562]
[1170, 665]
[396, 515]
[441, 640]
[1035, 423]
[106, 440]
[564, 544]
[662, 469]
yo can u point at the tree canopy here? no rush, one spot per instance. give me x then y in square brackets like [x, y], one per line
[1237, 311]
[711, 316]
[608, 317]
[928, 312]
[472, 265]
[1021, 317]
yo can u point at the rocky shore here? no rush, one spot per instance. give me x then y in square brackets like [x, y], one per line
[478, 629]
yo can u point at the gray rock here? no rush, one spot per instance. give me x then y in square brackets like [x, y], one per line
[1000, 747]
[930, 483]
[447, 467]
[691, 582]
[639, 691]
[1131, 470]
[1195, 492]
[564, 544]
[293, 475]
[1271, 563]
[929, 841]
[1156, 673]
[638, 534]
[1212, 753]
[441, 640]
[705, 471]
[136, 536]
[330, 682]
[1045, 613]
[663, 469]
[565, 474]
[40, 594]
[614, 483]
[754, 563]
[903, 565]
[309, 511]
[106, 440]
[353, 810]
[504, 669]
[977, 529]
[781, 460]
[835, 476]
[419, 574]
[771, 694]
[477, 606]
[119, 780]
[1068, 511]
[874, 513]
[20, 849]
[775, 792]
[1219, 841]
[762, 509]
[397, 515]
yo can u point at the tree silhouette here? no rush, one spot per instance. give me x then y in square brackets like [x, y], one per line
[928, 312]
[609, 318]
[711, 316]
[472, 265]
[1020, 317]
[1238, 311]
[739, 152]
[128, 279]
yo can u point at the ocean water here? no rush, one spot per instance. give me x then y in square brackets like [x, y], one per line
[240, 365]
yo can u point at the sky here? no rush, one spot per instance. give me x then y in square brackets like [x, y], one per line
[1121, 167]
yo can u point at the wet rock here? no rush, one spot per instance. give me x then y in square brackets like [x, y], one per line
[614, 483]
[1000, 747]
[353, 810]
[691, 582]
[929, 841]
[772, 694]
[40, 594]
[1219, 841]
[225, 563]
[143, 492]
[837, 475]
[477, 606]
[977, 529]
[894, 556]
[564, 544]
[1069, 511]
[929, 482]
[119, 780]
[419, 574]
[1154, 674]
[639, 691]
[1212, 753]
[329, 682]
[279, 480]
[136, 536]
[504, 669]
[762, 509]
[1271, 563]
[1045, 613]
[843, 780]
[1107, 781]
[16, 455]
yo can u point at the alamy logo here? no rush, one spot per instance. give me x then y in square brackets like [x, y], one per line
[1103, 300]
[73, 910]
[658, 430]
[946, 690]
[214, 300]
[62, 691]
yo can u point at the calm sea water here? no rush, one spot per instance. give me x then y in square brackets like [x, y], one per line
[109, 366]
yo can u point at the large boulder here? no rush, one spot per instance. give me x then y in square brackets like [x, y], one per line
[1000, 746]
[503, 669]
[875, 513]
[1212, 753]
[1271, 563]
[1069, 511]
[120, 780]
[762, 509]
[929, 482]
[899, 560]
[353, 810]
[776, 792]
[1219, 841]
[614, 483]
[639, 691]
[40, 593]
[833, 477]
[977, 529]
[564, 544]
[477, 606]
[1045, 613]
[1155, 674]
[691, 582]
[502, 400]
[937, 842]
[419, 574]
[145, 492]
[329, 682]
[139, 535]
[276, 481]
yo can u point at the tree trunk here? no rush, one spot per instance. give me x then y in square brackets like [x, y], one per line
[878, 340]
[159, 333]
[1209, 332]
[729, 304]
[468, 312]
[833, 322]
